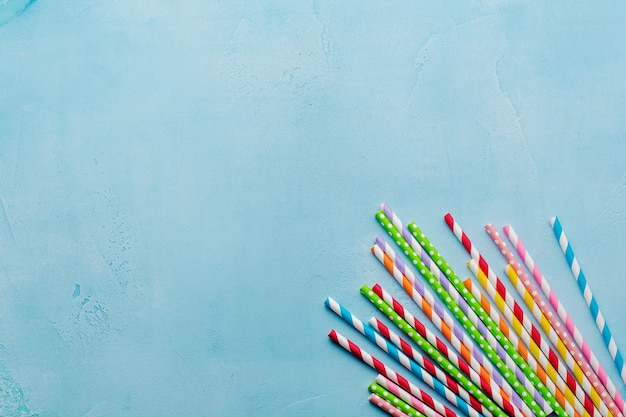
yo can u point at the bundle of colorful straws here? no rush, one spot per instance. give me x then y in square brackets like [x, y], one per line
[498, 362]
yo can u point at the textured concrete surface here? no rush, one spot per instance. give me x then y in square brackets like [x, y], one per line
[183, 184]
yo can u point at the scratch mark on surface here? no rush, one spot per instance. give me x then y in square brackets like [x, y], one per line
[230, 393]
[305, 265]
[451, 175]
[472, 19]
[328, 47]
[615, 203]
[17, 10]
[107, 408]
[518, 126]
[244, 18]
[422, 52]
[503, 93]
[296, 403]
[420, 60]
[326, 40]
[6, 220]
[18, 152]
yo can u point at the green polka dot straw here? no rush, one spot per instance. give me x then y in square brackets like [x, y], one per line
[527, 384]
[392, 399]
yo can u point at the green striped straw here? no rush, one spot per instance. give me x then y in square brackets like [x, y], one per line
[473, 331]
[432, 351]
[474, 304]
[393, 400]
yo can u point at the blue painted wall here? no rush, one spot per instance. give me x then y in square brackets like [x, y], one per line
[182, 185]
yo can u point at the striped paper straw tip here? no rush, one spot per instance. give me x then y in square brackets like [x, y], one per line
[356, 351]
[402, 381]
[407, 397]
[423, 367]
[393, 400]
[378, 401]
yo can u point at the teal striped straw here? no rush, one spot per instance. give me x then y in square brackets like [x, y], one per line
[583, 286]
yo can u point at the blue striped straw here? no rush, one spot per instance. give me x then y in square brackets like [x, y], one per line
[594, 308]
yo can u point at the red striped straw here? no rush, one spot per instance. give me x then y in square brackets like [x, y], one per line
[564, 381]
[405, 396]
[444, 281]
[504, 326]
[381, 403]
[383, 369]
[420, 365]
[543, 283]
[389, 334]
[552, 326]
[547, 361]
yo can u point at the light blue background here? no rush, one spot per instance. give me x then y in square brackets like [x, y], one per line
[183, 184]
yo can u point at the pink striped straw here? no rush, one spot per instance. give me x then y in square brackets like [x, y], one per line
[405, 396]
[572, 355]
[381, 403]
[562, 377]
[574, 332]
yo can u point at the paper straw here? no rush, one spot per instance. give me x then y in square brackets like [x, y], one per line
[385, 406]
[425, 369]
[433, 309]
[553, 328]
[442, 361]
[496, 335]
[440, 318]
[544, 363]
[396, 403]
[594, 308]
[487, 305]
[449, 295]
[566, 319]
[511, 371]
[459, 306]
[410, 328]
[496, 387]
[557, 372]
[383, 369]
[503, 355]
[405, 396]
